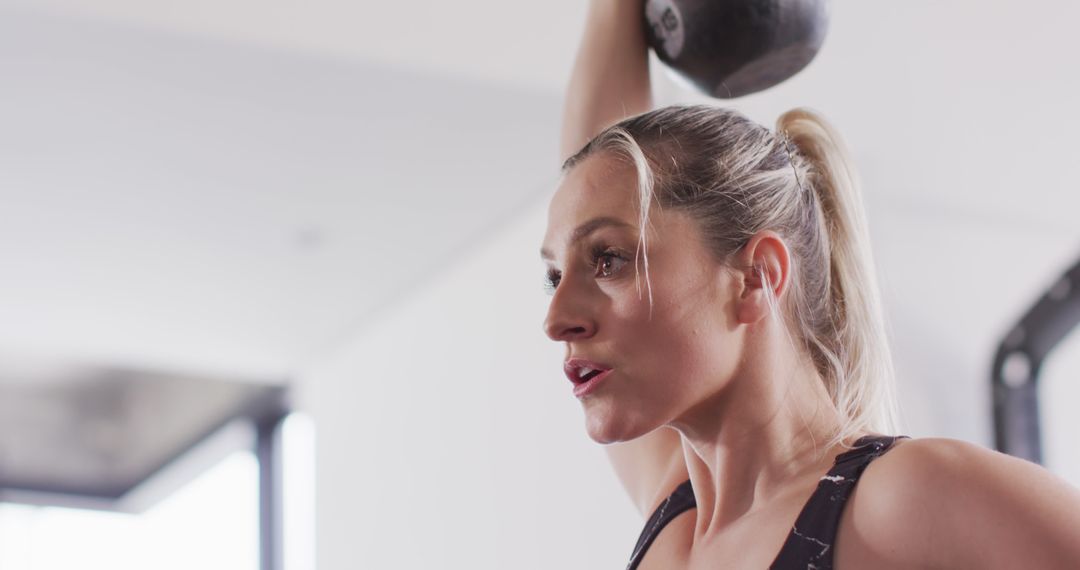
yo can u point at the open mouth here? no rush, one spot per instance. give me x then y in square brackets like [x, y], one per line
[587, 380]
[586, 374]
[581, 371]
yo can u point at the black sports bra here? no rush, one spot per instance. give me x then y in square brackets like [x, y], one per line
[810, 542]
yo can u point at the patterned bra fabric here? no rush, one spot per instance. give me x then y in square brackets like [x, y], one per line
[810, 542]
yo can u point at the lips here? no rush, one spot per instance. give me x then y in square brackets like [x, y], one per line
[580, 371]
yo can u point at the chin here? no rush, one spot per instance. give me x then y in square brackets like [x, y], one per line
[604, 429]
[603, 439]
[599, 430]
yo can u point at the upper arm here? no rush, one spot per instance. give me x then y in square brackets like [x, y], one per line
[649, 467]
[610, 78]
[947, 503]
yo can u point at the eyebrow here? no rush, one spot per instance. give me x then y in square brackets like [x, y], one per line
[587, 228]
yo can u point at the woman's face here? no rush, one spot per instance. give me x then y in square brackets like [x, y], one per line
[662, 365]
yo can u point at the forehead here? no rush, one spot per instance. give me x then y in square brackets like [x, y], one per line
[599, 186]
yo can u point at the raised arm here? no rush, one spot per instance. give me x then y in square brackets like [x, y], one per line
[610, 80]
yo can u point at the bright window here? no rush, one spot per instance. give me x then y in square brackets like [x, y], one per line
[211, 523]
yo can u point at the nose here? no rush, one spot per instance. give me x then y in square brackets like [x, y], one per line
[566, 319]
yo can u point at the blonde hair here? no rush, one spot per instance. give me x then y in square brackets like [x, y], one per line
[736, 178]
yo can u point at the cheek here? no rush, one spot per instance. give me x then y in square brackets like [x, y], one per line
[688, 347]
[684, 344]
[671, 332]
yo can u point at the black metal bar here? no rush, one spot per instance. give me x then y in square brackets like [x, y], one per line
[1019, 359]
[1016, 421]
[268, 453]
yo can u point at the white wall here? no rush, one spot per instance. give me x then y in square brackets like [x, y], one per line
[449, 437]
[1059, 397]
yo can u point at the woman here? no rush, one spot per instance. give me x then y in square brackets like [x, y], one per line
[713, 285]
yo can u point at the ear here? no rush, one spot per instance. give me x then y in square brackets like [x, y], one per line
[762, 264]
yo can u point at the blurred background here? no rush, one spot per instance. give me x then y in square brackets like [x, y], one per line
[269, 289]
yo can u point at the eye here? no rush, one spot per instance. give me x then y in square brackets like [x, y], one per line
[607, 262]
[551, 281]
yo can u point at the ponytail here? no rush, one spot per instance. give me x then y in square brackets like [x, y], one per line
[859, 370]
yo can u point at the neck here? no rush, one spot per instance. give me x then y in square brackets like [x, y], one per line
[761, 435]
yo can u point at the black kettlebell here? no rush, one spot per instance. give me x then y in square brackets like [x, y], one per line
[731, 48]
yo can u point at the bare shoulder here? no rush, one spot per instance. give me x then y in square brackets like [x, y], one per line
[949, 503]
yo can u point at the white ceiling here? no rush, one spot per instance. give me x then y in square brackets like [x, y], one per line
[181, 203]
[238, 185]
[526, 44]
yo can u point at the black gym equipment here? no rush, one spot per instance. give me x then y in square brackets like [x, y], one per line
[1018, 362]
[731, 48]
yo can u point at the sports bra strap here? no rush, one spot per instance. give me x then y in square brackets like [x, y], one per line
[810, 543]
[676, 503]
